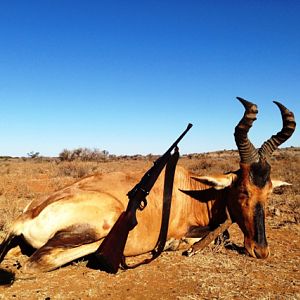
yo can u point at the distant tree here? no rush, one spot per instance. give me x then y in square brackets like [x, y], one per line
[84, 154]
[33, 154]
[65, 155]
[105, 153]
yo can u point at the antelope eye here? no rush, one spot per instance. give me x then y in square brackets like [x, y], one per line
[244, 197]
[244, 193]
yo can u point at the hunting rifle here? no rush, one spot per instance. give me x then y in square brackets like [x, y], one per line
[110, 252]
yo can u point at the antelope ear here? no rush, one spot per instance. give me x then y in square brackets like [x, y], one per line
[217, 182]
[278, 183]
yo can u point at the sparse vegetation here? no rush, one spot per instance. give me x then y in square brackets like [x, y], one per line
[84, 154]
[33, 154]
[216, 273]
[76, 169]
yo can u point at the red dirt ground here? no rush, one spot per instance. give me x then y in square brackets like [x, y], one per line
[215, 273]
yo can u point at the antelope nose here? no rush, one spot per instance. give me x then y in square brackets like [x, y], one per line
[262, 252]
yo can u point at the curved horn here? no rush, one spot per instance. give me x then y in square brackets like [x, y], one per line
[287, 130]
[248, 153]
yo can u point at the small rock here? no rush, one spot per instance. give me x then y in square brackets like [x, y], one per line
[277, 212]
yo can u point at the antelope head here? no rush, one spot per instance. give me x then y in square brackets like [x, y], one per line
[252, 185]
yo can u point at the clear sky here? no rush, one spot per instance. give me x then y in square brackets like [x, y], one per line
[128, 76]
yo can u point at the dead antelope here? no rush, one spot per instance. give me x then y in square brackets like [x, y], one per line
[72, 222]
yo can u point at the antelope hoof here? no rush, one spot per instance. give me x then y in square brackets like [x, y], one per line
[190, 252]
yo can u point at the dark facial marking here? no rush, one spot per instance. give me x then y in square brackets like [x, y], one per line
[259, 226]
[260, 173]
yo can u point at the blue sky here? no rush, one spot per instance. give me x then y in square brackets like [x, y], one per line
[127, 76]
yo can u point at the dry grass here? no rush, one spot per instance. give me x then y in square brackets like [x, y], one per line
[216, 273]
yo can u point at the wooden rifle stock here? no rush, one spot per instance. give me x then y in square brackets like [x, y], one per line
[110, 252]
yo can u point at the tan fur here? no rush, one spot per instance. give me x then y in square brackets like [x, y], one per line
[98, 200]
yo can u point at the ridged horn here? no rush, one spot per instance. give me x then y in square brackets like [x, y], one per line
[280, 137]
[248, 153]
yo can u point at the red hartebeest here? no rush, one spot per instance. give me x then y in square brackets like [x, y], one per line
[73, 221]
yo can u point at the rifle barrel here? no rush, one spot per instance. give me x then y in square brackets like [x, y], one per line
[180, 138]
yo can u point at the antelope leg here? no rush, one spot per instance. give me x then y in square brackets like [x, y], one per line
[211, 236]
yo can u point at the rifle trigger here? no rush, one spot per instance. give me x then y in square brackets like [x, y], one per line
[143, 204]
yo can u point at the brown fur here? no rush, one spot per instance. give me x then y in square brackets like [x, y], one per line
[248, 194]
[98, 200]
